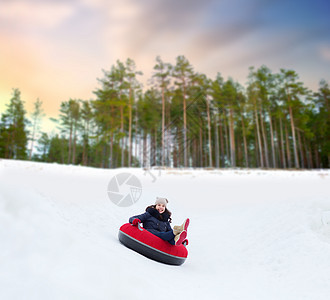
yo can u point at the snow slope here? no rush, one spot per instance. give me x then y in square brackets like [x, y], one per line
[254, 234]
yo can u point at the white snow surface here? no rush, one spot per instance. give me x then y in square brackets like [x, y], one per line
[254, 234]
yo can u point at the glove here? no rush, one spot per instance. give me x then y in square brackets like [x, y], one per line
[136, 221]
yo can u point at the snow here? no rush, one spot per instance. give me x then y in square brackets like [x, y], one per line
[254, 234]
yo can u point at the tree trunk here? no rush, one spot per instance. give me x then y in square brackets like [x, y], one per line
[175, 156]
[63, 144]
[264, 138]
[282, 146]
[307, 153]
[310, 155]
[121, 129]
[163, 127]
[217, 155]
[155, 147]
[222, 146]
[317, 161]
[239, 152]
[85, 137]
[74, 143]
[168, 136]
[141, 151]
[185, 125]
[293, 135]
[12, 152]
[176, 151]
[180, 143]
[209, 132]
[287, 145]
[201, 147]
[244, 141]
[84, 153]
[256, 148]
[7, 152]
[136, 136]
[33, 134]
[111, 150]
[70, 142]
[144, 149]
[259, 138]
[302, 159]
[102, 157]
[195, 153]
[130, 126]
[232, 138]
[272, 139]
[277, 145]
[226, 140]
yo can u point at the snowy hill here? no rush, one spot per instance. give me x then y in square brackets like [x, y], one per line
[254, 234]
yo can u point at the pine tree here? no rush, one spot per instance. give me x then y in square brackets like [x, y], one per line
[149, 107]
[183, 72]
[86, 116]
[111, 99]
[132, 85]
[58, 150]
[75, 112]
[163, 71]
[241, 106]
[291, 90]
[201, 111]
[120, 84]
[43, 146]
[322, 123]
[69, 124]
[13, 134]
[36, 119]
[216, 93]
[229, 95]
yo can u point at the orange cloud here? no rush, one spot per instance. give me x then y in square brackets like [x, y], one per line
[29, 66]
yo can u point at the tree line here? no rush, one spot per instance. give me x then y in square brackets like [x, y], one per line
[184, 119]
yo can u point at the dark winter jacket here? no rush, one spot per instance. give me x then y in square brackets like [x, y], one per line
[153, 221]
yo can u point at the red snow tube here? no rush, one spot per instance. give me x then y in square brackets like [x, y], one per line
[151, 246]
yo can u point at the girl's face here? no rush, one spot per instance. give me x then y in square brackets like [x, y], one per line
[160, 208]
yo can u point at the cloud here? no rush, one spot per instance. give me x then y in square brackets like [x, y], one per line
[29, 67]
[210, 40]
[33, 14]
[325, 53]
[138, 26]
[170, 28]
[55, 49]
[211, 34]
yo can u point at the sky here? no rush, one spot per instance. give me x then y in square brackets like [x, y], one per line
[55, 50]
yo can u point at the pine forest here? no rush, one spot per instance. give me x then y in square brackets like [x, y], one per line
[184, 119]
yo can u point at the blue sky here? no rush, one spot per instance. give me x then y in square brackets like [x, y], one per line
[55, 50]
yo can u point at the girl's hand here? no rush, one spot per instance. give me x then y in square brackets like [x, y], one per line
[136, 221]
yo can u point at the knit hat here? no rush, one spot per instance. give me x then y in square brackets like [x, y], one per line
[160, 200]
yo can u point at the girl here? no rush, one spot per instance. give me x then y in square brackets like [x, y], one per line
[157, 219]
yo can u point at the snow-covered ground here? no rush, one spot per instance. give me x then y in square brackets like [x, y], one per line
[254, 234]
